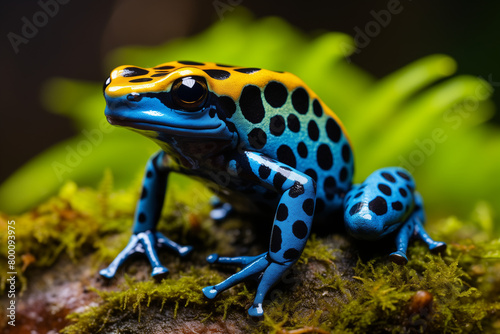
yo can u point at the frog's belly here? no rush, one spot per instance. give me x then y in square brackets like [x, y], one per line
[247, 197]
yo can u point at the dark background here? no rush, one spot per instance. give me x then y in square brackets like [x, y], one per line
[74, 41]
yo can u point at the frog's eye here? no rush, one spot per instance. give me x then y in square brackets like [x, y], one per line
[189, 93]
[134, 97]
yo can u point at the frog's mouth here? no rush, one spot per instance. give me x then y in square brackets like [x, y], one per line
[212, 130]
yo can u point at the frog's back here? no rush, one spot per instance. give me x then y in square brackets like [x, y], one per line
[274, 113]
[277, 114]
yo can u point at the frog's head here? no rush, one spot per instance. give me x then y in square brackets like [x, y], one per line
[170, 103]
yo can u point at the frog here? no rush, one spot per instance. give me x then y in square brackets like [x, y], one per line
[259, 139]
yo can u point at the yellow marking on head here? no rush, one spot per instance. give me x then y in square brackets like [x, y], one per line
[232, 86]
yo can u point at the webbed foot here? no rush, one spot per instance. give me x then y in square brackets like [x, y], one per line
[259, 267]
[146, 243]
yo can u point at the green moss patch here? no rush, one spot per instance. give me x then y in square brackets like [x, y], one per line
[334, 287]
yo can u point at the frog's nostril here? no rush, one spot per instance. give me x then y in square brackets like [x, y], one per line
[134, 97]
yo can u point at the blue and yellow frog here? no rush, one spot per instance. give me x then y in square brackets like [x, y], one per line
[257, 137]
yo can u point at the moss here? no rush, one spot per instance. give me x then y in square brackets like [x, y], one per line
[82, 220]
[453, 293]
[317, 250]
[140, 300]
[381, 297]
[68, 223]
[333, 288]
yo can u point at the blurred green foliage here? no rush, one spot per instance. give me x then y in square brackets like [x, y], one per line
[418, 117]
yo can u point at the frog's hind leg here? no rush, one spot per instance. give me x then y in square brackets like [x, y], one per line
[387, 203]
[414, 227]
[420, 233]
[380, 205]
[402, 239]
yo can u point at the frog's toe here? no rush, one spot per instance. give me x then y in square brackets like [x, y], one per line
[159, 272]
[438, 247]
[107, 273]
[210, 292]
[212, 258]
[185, 250]
[235, 261]
[133, 246]
[249, 271]
[163, 241]
[399, 258]
[256, 310]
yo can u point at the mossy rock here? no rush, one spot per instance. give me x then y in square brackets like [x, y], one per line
[338, 286]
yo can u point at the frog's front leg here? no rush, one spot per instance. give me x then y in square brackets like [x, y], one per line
[291, 227]
[388, 203]
[145, 239]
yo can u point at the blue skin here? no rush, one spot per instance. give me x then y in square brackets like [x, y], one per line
[204, 144]
[388, 203]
